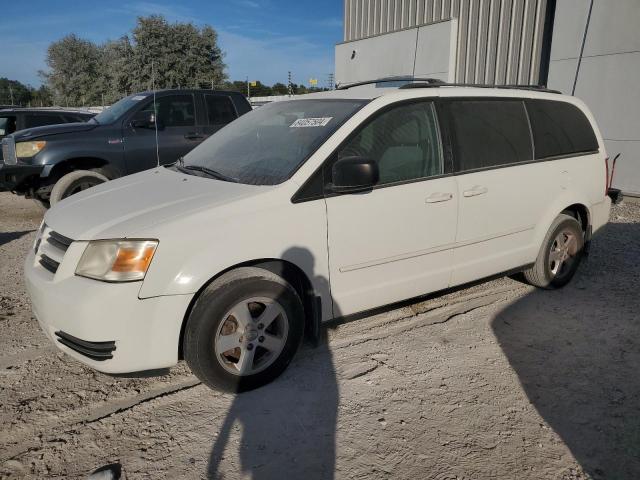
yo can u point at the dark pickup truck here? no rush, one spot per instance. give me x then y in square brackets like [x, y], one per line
[13, 119]
[50, 163]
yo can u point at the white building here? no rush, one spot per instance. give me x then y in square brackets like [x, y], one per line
[589, 48]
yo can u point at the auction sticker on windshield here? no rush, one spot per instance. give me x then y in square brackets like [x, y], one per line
[310, 122]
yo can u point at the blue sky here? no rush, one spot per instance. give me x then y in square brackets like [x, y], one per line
[262, 39]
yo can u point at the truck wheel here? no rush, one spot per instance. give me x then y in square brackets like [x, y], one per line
[560, 255]
[243, 330]
[75, 182]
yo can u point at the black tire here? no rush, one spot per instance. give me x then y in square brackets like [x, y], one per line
[542, 274]
[209, 316]
[75, 182]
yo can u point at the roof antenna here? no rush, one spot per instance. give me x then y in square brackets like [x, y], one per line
[155, 112]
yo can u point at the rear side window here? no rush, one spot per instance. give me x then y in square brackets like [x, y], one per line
[38, 120]
[559, 128]
[220, 110]
[172, 111]
[490, 133]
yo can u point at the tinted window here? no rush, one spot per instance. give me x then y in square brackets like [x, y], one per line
[220, 109]
[7, 125]
[38, 120]
[173, 111]
[559, 128]
[490, 133]
[404, 141]
[265, 146]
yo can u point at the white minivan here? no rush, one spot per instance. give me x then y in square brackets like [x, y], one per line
[312, 209]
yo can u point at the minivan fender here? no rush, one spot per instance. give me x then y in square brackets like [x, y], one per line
[568, 200]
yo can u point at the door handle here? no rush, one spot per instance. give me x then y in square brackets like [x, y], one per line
[439, 197]
[475, 191]
[193, 136]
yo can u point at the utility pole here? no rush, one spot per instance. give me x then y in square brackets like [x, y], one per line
[330, 81]
[289, 86]
[11, 93]
[248, 92]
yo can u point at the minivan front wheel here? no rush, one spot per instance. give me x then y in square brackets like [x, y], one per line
[75, 182]
[560, 255]
[243, 330]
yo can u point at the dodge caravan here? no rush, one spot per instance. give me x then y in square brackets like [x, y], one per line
[316, 208]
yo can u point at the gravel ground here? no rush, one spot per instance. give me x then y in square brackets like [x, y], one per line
[498, 380]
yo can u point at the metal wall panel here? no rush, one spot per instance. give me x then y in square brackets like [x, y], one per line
[499, 41]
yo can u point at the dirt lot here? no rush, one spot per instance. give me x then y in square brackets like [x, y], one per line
[493, 381]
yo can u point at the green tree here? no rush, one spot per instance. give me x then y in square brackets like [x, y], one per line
[74, 65]
[180, 55]
[117, 70]
[279, 89]
[12, 92]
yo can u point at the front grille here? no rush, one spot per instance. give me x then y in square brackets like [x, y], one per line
[59, 241]
[99, 351]
[51, 247]
[9, 151]
[49, 263]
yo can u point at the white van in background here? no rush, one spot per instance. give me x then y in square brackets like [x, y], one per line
[312, 209]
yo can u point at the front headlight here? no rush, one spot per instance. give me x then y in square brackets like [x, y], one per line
[116, 260]
[29, 149]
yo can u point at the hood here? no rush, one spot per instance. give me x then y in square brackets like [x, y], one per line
[38, 132]
[120, 208]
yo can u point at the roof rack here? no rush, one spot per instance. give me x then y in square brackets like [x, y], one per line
[537, 88]
[435, 82]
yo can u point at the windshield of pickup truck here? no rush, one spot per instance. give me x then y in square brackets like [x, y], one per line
[115, 111]
[266, 145]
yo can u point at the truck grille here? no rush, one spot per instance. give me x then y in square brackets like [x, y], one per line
[51, 248]
[9, 151]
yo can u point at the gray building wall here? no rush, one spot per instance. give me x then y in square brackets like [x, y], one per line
[496, 41]
[502, 42]
[608, 76]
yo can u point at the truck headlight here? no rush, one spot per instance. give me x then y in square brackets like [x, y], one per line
[116, 260]
[29, 149]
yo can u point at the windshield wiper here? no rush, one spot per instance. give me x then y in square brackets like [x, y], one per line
[179, 164]
[212, 173]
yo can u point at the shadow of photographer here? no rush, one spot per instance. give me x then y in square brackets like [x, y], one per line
[576, 353]
[288, 427]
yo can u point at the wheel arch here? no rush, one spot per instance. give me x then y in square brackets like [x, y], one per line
[63, 167]
[290, 272]
[581, 213]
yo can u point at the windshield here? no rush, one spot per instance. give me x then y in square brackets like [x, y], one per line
[115, 111]
[265, 146]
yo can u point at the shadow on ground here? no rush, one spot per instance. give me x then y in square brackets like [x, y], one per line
[580, 371]
[288, 426]
[6, 237]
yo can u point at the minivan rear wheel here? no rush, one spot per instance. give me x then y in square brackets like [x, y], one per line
[559, 256]
[243, 330]
[75, 182]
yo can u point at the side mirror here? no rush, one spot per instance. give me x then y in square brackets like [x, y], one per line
[147, 120]
[354, 174]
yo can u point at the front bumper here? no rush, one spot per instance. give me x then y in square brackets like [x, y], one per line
[75, 311]
[12, 177]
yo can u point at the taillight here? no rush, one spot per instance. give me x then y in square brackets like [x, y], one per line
[606, 181]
